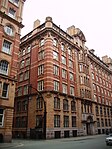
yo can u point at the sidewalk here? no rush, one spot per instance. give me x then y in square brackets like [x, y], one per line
[14, 143]
[21, 142]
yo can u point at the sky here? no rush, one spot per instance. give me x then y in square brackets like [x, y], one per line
[92, 17]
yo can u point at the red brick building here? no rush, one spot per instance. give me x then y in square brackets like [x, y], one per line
[55, 92]
[10, 26]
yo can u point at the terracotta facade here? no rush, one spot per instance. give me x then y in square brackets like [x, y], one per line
[59, 90]
[10, 26]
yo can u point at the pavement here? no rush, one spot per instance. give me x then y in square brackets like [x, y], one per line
[20, 142]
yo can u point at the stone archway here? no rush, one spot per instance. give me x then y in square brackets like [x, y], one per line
[89, 125]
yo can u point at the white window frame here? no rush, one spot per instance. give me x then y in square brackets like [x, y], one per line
[42, 41]
[6, 47]
[64, 73]
[40, 85]
[56, 85]
[8, 30]
[56, 70]
[40, 69]
[64, 88]
[12, 13]
[71, 76]
[15, 2]
[63, 60]
[4, 67]
[55, 55]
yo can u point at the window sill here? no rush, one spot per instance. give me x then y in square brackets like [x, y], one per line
[4, 98]
[56, 109]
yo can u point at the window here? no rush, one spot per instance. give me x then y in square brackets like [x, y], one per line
[81, 79]
[55, 42]
[18, 106]
[23, 121]
[63, 60]
[56, 120]
[80, 67]
[73, 121]
[25, 91]
[40, 85]
[73, 106]
[39, 121]
[55, 55]
[104, 111]
[22, 64]
[4, 67]
[5, 90]
[56, 86]
[14, 2]
[25, 104]
[56, 70]
[93, 76]
[71, 90]
[95, 98]
[26, 75]
[66, 121]
[21, 77]
[94, 87]
[106, 124]
[70, 63]
[71, 76]
[56, 102]
[64, 88]
[65, 104]
[41, 55]
[40, 69]
[19, 91]
[42, 42]
[18, 122]
[1, 117]
[64, 73]
[8, 30]
[101, 110]
[98, 122]
[6, 47]
[97, 110]
[28, 49]
[23, 52]
[39, 103]
[62, 47]
[69, 51]
[11, 13]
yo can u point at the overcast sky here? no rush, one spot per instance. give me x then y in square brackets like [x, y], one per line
[92, 17]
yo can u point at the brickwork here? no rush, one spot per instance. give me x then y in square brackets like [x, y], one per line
[71, 81]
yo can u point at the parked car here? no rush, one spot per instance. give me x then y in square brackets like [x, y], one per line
[108, 140]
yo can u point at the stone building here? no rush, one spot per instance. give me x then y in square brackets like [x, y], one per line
[10, 26]
[63, 89]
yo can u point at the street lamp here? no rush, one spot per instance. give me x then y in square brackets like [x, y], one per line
[44, 117]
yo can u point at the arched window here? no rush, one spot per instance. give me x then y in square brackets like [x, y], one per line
[65, 104]
[73, 106]
[4, 67]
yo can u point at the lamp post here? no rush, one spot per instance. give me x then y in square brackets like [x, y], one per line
[44, 116]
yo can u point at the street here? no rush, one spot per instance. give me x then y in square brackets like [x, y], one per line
[89, 142]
